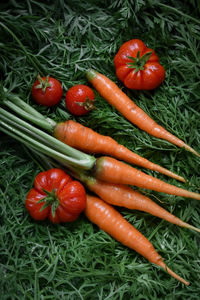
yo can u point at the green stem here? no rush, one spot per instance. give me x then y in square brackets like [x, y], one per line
[46, 138]
[138, 62]
[25, 106]
[26, 130]
[38, 121]
[33, 144]
[28, 112]
[45, 142]
[38, 139]
[50, 200]
[43, 83]
[46, 163]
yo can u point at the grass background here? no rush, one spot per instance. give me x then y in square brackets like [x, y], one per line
[77, 260]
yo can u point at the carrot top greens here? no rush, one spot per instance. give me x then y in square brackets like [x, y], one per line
[64, 39]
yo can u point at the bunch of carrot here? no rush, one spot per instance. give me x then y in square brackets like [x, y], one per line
[106, 176]
[85, 139]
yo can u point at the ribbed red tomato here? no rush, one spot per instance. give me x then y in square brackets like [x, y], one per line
[138, 67]
[79, 99]
[47, 91]
[55, 196]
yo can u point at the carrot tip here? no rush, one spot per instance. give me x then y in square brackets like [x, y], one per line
[173, 274]
[188, 148]
[196, 153]
[186, 225]
[181, 179]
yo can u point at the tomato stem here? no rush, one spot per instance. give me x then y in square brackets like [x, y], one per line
[88, 104]
[43, 83]
[50, 200]
[139, 62]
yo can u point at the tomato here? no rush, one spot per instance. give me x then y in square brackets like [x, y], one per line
[55, 196]
[47, 91]
[79, 99]
[138, 67]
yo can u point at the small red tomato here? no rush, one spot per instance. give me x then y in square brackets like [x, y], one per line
[47, 91]
[79, 99]
[138, 67]
[55, 196]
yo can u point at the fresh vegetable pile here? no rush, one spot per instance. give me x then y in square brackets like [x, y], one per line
[75, 133]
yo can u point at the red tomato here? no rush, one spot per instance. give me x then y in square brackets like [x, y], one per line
[79, 99]
[47, 91]
[138, 67]
[55, 196]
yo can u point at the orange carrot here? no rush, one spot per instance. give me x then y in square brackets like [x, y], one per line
[125, 196]
[114, 171]
[112, 93]
[87, 140]
[112, 222]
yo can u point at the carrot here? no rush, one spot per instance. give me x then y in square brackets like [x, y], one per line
[114, 171]
[125, 196]
[112, 222]
[87, 140]
[112, 93]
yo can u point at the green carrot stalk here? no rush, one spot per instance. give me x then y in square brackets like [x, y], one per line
[74, 134]
[43, 142]
[103, 168]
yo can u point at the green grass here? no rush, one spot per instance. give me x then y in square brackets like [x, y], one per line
[39, 260]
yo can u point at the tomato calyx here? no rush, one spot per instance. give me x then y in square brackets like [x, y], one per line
[43, 83]
[50, 200]
[138, 62]
[88, 104]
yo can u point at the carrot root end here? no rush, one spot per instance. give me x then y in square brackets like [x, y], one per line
[172, 273]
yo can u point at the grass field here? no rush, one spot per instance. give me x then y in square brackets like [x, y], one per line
[39, 260]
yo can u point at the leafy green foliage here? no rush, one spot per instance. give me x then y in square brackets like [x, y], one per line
[63, 39]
